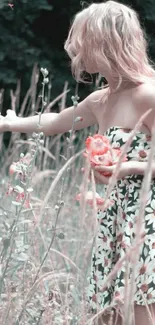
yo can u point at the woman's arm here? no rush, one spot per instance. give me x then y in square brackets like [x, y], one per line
[53, 123]
[139, 167]
[126, 169]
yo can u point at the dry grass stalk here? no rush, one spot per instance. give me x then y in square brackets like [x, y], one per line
[31, 143]
[51, 104]
[56, 180]
[39, 176]
[49, 275]
[140, 221]
[64, 93]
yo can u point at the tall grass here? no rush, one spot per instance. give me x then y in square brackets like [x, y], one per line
[42, 264]
[45, 248]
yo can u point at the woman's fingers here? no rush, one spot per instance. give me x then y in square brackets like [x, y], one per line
[100, 178]
[104, 168]
[10, 113]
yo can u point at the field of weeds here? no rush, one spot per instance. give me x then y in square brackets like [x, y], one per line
[46, 236]
[45, 240]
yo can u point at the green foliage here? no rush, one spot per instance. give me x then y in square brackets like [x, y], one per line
[35, 31]
[146, 11]
[19, 47]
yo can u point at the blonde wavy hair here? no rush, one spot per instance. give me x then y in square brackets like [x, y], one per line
[109, 36]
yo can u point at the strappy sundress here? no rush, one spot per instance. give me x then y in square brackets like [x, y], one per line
[116, 233]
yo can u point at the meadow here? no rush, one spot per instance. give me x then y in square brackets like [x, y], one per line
[46, 236]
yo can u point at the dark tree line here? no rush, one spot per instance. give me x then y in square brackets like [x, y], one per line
[35, 30]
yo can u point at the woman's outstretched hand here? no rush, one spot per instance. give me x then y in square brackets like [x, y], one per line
[5, 121]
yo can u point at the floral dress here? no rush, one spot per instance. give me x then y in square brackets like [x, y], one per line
[116, 233]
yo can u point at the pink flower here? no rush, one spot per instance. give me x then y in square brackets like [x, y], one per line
[13, 169]
[99, 152]
[26, 159]
[97, 145]
[10, 190]
[99, 200]
[27, 204]
[20, 197]
[105, 159]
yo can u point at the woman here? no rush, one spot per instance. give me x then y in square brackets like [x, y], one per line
[107, 38]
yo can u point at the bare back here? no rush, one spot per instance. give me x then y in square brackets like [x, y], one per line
[124, 109]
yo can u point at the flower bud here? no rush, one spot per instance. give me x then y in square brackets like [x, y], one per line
[46, 80]
[78, 119]
[34, 135]
[56, 208]
[44, 71]
[12, 169]
[41, 134]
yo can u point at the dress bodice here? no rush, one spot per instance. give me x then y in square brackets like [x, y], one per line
[140, 146]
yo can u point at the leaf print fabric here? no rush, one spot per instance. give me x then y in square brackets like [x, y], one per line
[116, 233]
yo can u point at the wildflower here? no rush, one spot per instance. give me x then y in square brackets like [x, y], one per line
[10, 190]
[75, 100]
[20, 196]
[26, 159]
[21, 167]
[100, 202]
[89, 198]
[27, 204]
[105, 159]
[46, 80]
[12, 169]
[78, 119]
[97, 145]
[44, 103]
[34, 135]
[44, 71]
[100, 152]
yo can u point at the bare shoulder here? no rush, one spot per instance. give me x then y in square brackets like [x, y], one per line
[98, 94]
[145, 96]
[96, 99]
[145, 100]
